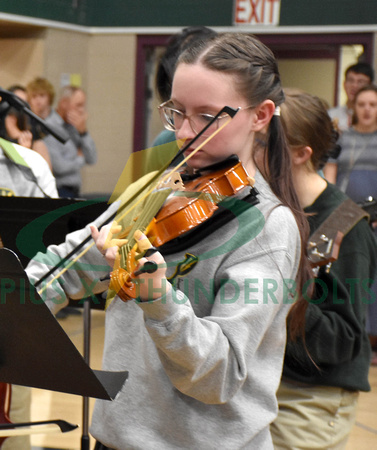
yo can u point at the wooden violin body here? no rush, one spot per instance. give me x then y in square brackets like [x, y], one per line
[187, 209]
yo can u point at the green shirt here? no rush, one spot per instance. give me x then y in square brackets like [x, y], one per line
[335, 333]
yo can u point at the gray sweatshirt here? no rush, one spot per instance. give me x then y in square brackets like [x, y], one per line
[65, 159]
[205, 360]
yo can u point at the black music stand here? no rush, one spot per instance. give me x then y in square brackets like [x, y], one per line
[29, 225]
[34, 349]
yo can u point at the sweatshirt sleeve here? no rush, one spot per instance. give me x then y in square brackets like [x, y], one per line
[84, 277]
[64, 157]
[85, 143]
[82, 280]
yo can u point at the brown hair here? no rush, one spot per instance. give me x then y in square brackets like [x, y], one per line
[307, 123]
[367, 88]
[41, 85]
[257, 78]
[176, 44]
[363, 68]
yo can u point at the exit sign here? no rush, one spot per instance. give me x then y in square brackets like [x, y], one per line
[257, 12]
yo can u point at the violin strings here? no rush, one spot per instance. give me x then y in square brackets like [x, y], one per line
[152, 206]
[167, 175]
[231, 113]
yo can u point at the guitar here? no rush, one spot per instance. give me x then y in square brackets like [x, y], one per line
[325, 250]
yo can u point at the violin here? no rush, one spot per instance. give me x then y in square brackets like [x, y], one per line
[183, 211]
[196, 203]
[138, 196]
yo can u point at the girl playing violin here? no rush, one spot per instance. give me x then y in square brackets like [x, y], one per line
[204, 346]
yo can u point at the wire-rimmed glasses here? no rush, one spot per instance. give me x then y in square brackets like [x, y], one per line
[172, 119]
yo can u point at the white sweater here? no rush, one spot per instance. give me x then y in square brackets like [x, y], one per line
[14, 180]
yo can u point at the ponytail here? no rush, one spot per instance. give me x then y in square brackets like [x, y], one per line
[279, 176]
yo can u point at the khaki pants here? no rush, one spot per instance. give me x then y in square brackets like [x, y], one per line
[313, 417]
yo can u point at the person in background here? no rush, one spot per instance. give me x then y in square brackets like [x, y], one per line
[355, 77]
[32, 180]
[67, 159]
[324, 372]
[40, 96]
[355, 171]
[17, 127]
[204, 362]
[72, 109]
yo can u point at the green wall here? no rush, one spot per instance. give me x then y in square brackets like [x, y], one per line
[126, 13]
[328, 12]
[60, 10]
[144, 13]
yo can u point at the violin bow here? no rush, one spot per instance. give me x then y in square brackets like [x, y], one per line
[42, 427]
[146, 219]
[231, 112]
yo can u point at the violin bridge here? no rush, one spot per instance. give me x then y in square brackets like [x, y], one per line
[174, 182]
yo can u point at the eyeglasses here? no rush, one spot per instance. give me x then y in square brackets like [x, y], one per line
[173, 119]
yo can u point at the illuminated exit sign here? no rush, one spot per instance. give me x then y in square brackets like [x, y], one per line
[257, 12]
